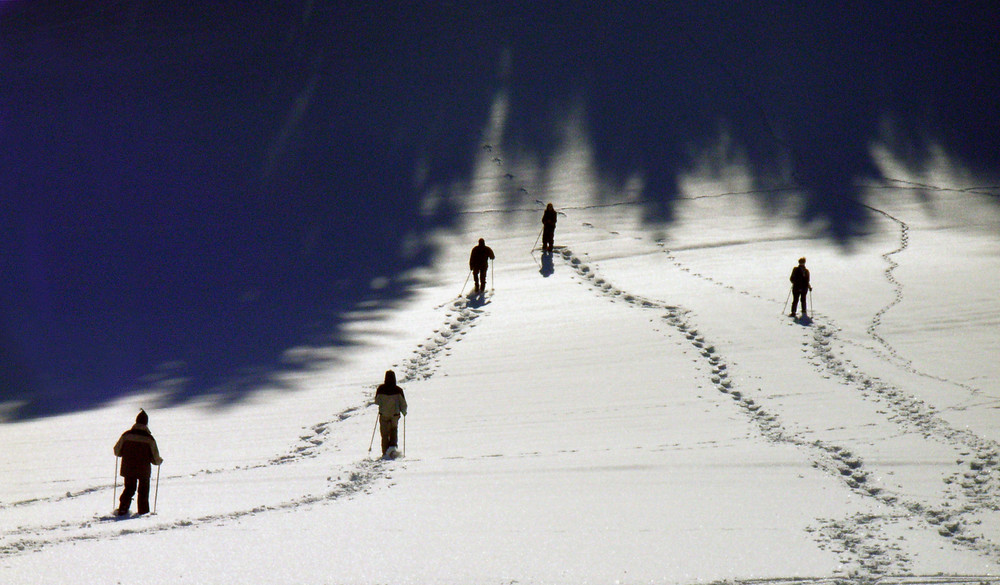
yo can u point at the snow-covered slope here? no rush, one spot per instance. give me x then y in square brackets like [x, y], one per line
[636, 407]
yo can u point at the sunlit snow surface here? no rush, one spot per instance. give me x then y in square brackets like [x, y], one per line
[636, 407]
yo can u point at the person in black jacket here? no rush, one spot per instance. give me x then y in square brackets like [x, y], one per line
[548, 228]
[800, 286]
[479, 264]
[138, 451]
[391, 404]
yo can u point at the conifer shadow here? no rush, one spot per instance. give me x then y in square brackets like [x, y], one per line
[197, 194]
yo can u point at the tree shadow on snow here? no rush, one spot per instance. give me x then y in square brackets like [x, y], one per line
[797, 95]
[196, 195]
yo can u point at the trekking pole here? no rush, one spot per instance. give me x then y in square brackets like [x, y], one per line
[493, 271]
[372, 442]
[785, 306]
[812, 311]
[404, 435]
[114, 491]
[538, 238]
[156, 492]
[466, 281]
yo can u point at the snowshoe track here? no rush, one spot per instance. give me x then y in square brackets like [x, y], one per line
[865, 550]
[938, 579]
[897, 287]
[460, 317]
[859, 537]
[26, 539]
[976, 476]
[888, 352]
[361, 477]
[975, 480]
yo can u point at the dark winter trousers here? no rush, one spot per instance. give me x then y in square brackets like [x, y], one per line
[479, 276]
[130, 487]
[548, 237]
[388, 427]
[799, 294]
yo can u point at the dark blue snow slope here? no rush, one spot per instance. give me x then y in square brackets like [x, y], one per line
[190, 189]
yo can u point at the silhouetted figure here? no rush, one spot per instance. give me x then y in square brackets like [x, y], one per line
[391, 404]
[479, 264]
[548, 228]
[138, 451]
[800, 286]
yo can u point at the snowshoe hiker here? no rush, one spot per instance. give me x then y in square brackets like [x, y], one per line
[391, 404]
[800, 287]
[548, 228]
[479, 264]
[137, 448]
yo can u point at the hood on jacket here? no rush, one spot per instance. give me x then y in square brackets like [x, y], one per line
[389, 387]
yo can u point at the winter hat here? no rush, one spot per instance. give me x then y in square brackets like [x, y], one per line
[142, 418]
[390, 378]
[802, 260]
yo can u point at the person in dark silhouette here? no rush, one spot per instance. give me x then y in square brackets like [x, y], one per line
[479, 264]
[138, 450]
[391, 404]
[800, 286]
[548, 228]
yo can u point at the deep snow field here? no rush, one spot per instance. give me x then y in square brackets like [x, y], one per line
[635, 408]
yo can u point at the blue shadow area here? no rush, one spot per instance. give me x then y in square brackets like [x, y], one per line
[803, 89]
[192, 189]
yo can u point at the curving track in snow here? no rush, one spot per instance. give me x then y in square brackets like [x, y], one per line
[873, 552]
[859, 538]
[356, 478]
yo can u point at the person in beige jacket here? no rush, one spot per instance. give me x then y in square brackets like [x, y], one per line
[138, 451]
[391, 404]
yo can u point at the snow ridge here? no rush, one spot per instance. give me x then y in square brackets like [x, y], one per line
[54, 499]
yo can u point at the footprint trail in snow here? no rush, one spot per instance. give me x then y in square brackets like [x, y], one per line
[359, 477]
[863, 546]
